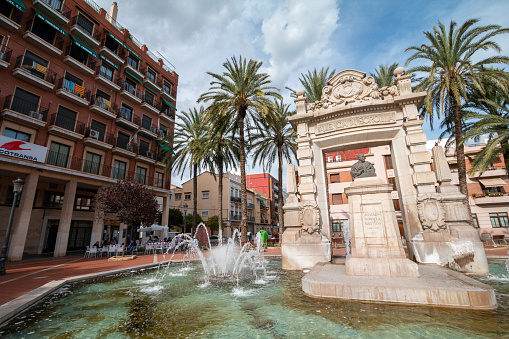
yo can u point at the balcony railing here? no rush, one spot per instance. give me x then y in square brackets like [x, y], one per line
[68, 123]
[57, 159]
[5, 53]
[36, 69]
[16, 16]
[124, 85]
[153, 103]
[90, 62]
[92, 167]
[235, 216]
[102, 71]
[104, 104]
[47, 34]
[25, 107]
[95, 33]
[235, 199]
[250, 206]
[152, 154]
[250, 219]
[159, 183]
[108, 138]
[120, 51]
[59, 7]
[122, 143]
[169, 112]
[73, 88]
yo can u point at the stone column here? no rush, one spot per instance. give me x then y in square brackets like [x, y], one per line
[165, 210]
[24, 212]
[122, 237]
[97, 226]
[322, 196]
[65, 219]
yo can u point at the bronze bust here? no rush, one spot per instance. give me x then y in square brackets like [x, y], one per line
[362, 168]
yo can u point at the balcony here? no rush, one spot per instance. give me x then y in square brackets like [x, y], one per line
[23, 111]
[116, 57]
[491, 199]
[13, 23]
[98, 139]
[61, 15]
[127, 120]
[90, 167]
[235, 199]
[50, 42]
[110, 81]
[146, 156]
[156, 84]
[235, 217]
[72, 92]
[86, 66]
[167, 116]
[130, 93]
[65, 126]
[123, 148]
[167, 96]
[5, 56]
[103, 107]
[151, 106]
[34, 74]
[133, 68]
[92, 37]
[149, 131]
[250, 206]
[490, 173]
[250, 219]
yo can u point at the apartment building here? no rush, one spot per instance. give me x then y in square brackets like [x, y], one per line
[208, 202]
[267, 184]
[83, 104]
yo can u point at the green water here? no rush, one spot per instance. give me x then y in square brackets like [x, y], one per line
[181, 306]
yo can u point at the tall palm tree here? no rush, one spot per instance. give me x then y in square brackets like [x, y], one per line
[273, 138]
[222, 152]
[384, 74]
[451, 71]
[189, 140]
[240, 91]
[313, 83]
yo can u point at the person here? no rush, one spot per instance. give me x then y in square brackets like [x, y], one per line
[106, 242]
[362, 168]
[131, 247]
[97, 244]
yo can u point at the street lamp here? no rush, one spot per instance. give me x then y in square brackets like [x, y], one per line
[185, 212]
[18, 187]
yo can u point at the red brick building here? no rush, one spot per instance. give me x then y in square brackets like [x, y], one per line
[266, 184]
[76, 83]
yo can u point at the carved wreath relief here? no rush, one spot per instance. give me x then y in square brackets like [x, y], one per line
[431, 214]
[309, 217]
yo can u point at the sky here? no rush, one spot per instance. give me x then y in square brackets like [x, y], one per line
[290, 37]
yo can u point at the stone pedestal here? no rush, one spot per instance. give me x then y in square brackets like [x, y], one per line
[375, 240]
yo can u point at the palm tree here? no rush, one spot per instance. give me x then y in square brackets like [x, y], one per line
[451, 72]
[222, 152]
[275, 137]
[189, 140]
[237, 93]
[384, 74]
[313, 83]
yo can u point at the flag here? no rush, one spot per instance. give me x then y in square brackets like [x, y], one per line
[79, 89]
[107, 103]
[135, 137]
[39, 68]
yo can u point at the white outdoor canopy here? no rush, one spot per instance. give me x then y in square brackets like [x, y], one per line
[153, 228]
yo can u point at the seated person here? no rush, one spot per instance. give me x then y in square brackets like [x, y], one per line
[131, 246]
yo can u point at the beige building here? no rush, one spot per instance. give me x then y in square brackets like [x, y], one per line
[208, 202]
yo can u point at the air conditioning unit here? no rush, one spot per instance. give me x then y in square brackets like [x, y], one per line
[153, 129]
[150, 155]
[94, 134]
[36, 115]
[338, 158]
[329, 159]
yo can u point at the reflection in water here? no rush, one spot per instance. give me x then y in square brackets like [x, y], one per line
[183, 305]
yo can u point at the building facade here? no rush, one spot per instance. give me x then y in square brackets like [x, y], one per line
[97, 105]
[208, 202]
[267, 184]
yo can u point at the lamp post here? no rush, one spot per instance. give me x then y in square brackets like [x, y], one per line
[18, 187]
[185, 212]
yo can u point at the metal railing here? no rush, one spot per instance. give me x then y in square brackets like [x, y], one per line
[95, 34]
[103, 103]
[235, 199]
[108, 138]
[122, 143]
[235, 216]
[68, 123]
[90, 62]
[152, 102]
[70, 87]
[103, 71]
[147, 153]
[126, 86]
[250, 219]
[57, 159]
[250, 206]
[47, 34]
[35, 69]
[95, 6]
[5, 53]
[25, 107]
[62, 9]
[120, 52]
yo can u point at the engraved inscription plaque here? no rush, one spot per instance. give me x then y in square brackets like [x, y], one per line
[373, 222]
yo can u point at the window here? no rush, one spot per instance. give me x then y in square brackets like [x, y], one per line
[92, 163]
[122, 140]
[167, 87]
[126, 112]
[149, 97]
[130, 86]
[111, 44]
[204, 213]
[85, 24]
[16, 135]
[491, 190]
[53, 199]
[83, 203]
[330, 159]
[79, 54]
[56, 4]
[334, 177]
[205, 195]
[337, 199]
[232, 192]
[476, 221]
[388, 162]
[144, 146]
[106, 71]
[30, 63]
[187, 196]
[338, 157]
[397, 206]
[141, 174]
[146, 122]
[102, 100]
[499, 220]
[98, 127]
[70, 81]
[44, 30]
[178, 196]
[66, 118]
[392, 181]
[159, 180]
[119, 168]
[58, 154]
[151, 75]
[237, 193]
[24, 102]
[336, 225]
[132, 61]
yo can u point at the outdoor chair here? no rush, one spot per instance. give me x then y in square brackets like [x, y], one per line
[104, 250]
[112, 249]
[92, 251]
[148, 247]
[120, 250]
[159, 247]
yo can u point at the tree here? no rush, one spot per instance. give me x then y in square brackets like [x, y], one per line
[175, 217]
[273, 138]
[191, 219]
[237, 93]
[133, 203]
[384, 74]
[451, 72]
[190, 142]
[213, 223]
[313, 83]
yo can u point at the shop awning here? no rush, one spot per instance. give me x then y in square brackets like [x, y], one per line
[164, 146]
[150, 89]
[84, 47]
[170, 105]
[109, 62]
[492, 182]
[263, 204]
[17, 4]
[51, 23]
[124, 45]
[133, 76]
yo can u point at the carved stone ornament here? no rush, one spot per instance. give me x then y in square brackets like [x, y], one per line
[309, 217]
[351, 86]
[431, 213]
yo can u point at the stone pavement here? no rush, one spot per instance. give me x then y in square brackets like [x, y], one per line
[27, 275]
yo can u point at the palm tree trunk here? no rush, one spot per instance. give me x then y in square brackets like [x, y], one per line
[460, 148]
[195, 194]
[220, 165]
[243, 192]
[505, 154]
[280, 196]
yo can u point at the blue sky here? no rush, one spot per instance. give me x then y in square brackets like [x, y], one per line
[290, 37]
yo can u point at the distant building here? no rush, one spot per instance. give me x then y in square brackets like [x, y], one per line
[267, 184]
